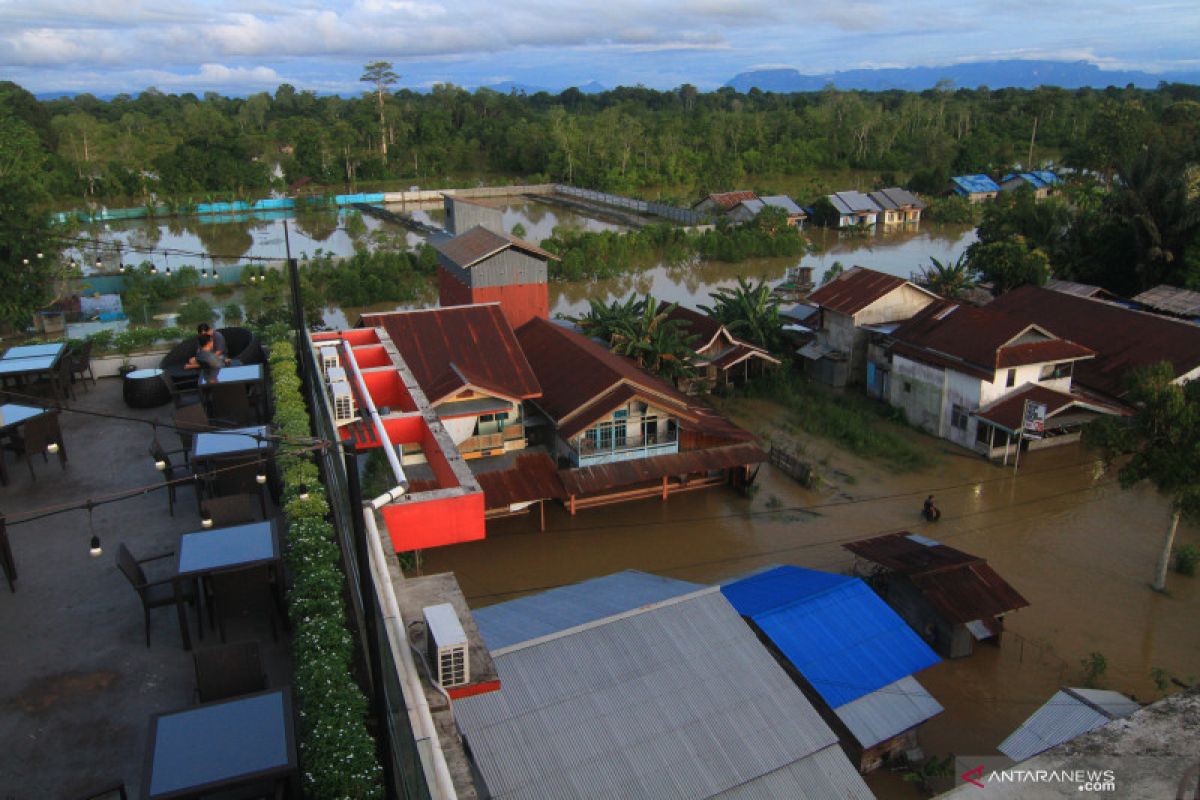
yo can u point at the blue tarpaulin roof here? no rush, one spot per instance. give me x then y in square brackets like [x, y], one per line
[537, 615]
[838, 633]
[1038, 179]
[973, 184]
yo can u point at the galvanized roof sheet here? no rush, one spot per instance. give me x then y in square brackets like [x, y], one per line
[888, 711]
[894, 197]
[677, 700]
[1069, 713]
[555, 610]
[839, 634]
[469, 248]
[784, 202]
[975, 184]
[1171, 299]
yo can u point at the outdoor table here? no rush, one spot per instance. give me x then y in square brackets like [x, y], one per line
[54, 350]
[202, 553]
[27, 365]
[13, 415]
[145, 388]
[229, 444]
[220, 745]
[248, 375]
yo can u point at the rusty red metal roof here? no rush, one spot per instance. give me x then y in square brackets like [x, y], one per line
[603, 405]
[1007, 412]
[739, 353]
[961, 586]
[1015, 355]
[532, 476]
[603, 477]
[696, 323]
[448, 349]
[480, 243]
[574, 372]
[1123, 339]
[727, 200]
[855, 289]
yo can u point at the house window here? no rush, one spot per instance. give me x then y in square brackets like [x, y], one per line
[621, 413]
[1011, 380]
[958, 417]
[1053, 371]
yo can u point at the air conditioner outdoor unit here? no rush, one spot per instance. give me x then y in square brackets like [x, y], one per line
[335, 375]
[343, 402]
[447, 645]
[329, 358]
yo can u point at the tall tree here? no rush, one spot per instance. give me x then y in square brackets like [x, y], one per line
[950, 279]
[749, 311]
[642, 329]
[380, 75]
[1162, 443]
[27, 250]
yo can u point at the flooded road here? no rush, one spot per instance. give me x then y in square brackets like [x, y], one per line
[1062, 532]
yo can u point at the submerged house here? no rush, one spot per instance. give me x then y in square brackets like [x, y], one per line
[897, 205]
[852, 656]
[951, 598]
[1069, 713]
[852, 306]
[975, 188]
[721, 203]
[854, 208]
[723, 359]
[1042, 182]
[964, 374]
[635, 687]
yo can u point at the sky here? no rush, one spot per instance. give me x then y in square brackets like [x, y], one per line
[238, 48]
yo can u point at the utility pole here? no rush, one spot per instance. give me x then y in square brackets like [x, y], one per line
[1032, 139]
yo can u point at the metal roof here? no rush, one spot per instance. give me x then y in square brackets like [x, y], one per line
[537, 615]
[1069, 713]
[674, 700]
[1075, 288]
[469, 248]
[1171, 299]
[853, 202]
[727, 200]
[1038, 179]
[857, 288]
[974, 184]
[838, 633]
[582, 481]
[784, 202]
[889, 711]
[895, 198]
[1008, 411]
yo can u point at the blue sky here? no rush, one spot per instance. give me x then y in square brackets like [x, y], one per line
[254, 45]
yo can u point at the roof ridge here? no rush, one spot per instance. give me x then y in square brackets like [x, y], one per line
[633, 612]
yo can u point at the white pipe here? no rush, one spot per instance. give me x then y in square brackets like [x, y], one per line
[441, 785]
[401, 482]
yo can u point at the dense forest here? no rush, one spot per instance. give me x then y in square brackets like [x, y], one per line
[682, 143]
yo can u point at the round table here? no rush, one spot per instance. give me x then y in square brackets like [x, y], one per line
[145, 388]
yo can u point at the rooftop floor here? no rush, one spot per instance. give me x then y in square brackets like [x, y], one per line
[77, 682]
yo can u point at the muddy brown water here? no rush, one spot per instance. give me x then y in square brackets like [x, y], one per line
[1062, 532]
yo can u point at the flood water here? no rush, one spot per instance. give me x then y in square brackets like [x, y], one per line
[1062, 532]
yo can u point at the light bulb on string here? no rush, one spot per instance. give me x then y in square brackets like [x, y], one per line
[94, 548]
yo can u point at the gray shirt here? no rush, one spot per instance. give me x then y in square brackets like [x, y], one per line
[219, 343]
[207, 359]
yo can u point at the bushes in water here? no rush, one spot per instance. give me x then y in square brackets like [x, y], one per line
[372, 277]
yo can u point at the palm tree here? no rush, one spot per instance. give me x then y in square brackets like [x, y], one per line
[950, 279]
[749, 311]
[642, 331]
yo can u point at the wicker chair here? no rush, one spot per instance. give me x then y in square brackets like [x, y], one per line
[153, 594]
[80, 359]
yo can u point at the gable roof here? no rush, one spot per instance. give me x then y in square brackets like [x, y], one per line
[1123, 339]
[962, 587]
[784, 202]
[895, 198]
[1171, 300]
[555, 610]
[1008, 411]
[853, 202]
[857, 288]
[672, 700]
[480, 243]
[449, 349]
[1078, 289]
[978, 341]
[727, 200]
[575, 372]
[1038, 179]
[1069, 713]
[839, 634]
[974, 184]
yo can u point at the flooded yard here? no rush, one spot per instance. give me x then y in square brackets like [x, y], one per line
[1062, 532]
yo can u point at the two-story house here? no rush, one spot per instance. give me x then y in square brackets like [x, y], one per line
[964, 374]
[851, 306]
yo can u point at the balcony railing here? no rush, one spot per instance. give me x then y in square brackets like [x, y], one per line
[492, 441]
[591, 452]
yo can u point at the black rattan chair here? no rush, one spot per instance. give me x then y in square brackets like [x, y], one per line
[153, 594]
[80, 360]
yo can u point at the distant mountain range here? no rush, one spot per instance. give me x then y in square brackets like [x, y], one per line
[508, 87]
[993, 74]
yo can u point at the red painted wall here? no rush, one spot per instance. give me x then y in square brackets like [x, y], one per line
[433, 523]
[520, 302]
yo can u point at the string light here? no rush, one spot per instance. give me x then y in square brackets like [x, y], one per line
[94, 548]
[206, 520]
[304, 491]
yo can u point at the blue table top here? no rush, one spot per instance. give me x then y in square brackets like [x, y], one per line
[218, 744]
[17, 366]
[35, 350]
[246, 373]
[14, 414]
[230, 442]
[224, 548]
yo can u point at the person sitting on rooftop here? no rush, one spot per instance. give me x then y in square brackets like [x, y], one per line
[219, 346]
[206, 357]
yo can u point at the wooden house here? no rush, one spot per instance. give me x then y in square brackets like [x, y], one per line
[721, 203]
[723, 359]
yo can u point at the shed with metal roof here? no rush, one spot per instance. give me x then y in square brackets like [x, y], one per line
[1069, 713]
[672, 700]
[975, 188]
[851, 653]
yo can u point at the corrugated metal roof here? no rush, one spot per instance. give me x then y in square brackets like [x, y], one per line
[449, 348]
[1123, 339]
[895, 198]
[1171, 299]
[583, 481]
[853, 203]
[727, 200]
[888, 711]
[1077, 289]
[1038, 179]
[839, 634]
[855, 289]
[677, 700]
[1069, 713]
[555, 610]
[479, 243]
[1008, 411]
[530, 476]
[975, 184]
[784, 202]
